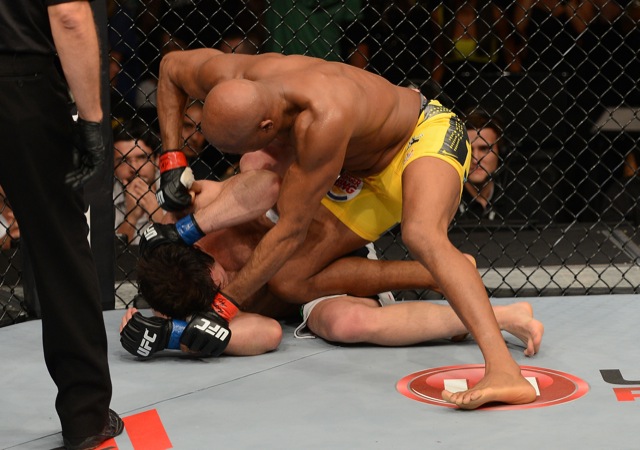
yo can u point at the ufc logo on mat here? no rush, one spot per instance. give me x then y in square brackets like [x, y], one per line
[145, 348]
[216, 331]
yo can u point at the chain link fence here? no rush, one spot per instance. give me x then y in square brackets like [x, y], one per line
[553, 206]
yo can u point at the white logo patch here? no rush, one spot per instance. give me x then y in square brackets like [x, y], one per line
[345, 188]
[150, 233]
[145, 348]
[216, 331]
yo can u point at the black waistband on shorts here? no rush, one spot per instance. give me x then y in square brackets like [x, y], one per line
[23, 64]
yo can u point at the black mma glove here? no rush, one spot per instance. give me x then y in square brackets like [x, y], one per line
[143, 336]
[176, 178]
[89, 152]
[185, 231]
[208, 332]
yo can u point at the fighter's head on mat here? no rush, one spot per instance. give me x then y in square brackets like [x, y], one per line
[177, 280]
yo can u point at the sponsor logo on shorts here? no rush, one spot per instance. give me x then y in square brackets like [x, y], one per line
[552, 387]
[455, 141]
[408, 149]
[414, 139]
[345, 188]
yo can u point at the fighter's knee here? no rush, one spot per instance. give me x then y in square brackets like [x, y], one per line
[272, 335]
[471, 259]
[415, 240]
[411, 236]
[348, 327]
[418, 241]
[253, 334]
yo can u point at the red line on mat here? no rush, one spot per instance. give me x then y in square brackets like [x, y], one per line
[145, 431]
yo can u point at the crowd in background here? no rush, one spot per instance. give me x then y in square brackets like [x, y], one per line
[444, 48]
[532, 79]
[456, 51]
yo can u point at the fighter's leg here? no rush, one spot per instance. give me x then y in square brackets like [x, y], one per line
[517, 319]
[431, 190]
[353, 320]
[319, 268]
[328, 239]
[253, 334]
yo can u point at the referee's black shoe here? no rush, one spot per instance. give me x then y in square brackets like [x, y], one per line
[113, 428]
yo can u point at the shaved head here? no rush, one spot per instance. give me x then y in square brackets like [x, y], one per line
[234, 113]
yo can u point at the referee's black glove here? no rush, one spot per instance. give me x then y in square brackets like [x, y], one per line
[89, 152]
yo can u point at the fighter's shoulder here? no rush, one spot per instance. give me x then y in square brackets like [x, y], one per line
[327, 112]
[331, 93]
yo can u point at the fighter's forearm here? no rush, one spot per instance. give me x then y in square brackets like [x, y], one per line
[181, 77]
[272, 252]
[172, 101]
[243, 198]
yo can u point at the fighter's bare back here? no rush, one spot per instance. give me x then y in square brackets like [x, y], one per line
[380, 115]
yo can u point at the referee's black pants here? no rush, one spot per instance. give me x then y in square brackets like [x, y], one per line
[35, 155]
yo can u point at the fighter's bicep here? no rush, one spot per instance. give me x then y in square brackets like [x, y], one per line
[300, 196]
[320, 145]
[319, 167]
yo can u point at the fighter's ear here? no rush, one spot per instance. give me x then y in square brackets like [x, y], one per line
[266, 125]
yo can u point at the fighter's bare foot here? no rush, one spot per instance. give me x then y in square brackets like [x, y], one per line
[518, 320]
[501, 388]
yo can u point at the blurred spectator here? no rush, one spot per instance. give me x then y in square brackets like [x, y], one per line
[136, 179]
[502, 187]
[236, 41]
[551, 32]
[317, 28]
[181, 25]
[481, 190]
[474, 39]
[206, 162]
[552, 39]
[9, 231]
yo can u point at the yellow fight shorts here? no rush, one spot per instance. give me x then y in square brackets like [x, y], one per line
[372, 205]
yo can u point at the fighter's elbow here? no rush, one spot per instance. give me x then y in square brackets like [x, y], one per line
[70, 15]
[296, 236]
[167, 61]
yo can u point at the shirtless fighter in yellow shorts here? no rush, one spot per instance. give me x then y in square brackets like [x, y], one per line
[318, 119]
[370, 206]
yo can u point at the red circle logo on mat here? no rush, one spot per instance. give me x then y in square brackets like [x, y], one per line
[553, 387]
